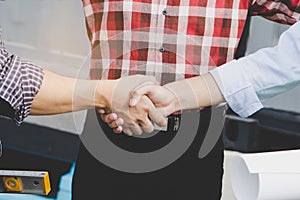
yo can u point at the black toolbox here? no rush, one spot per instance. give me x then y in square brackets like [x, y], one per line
[267, 130]
[32, 147]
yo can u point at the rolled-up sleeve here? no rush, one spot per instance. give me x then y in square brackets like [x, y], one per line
[20, 81]
[247, 82]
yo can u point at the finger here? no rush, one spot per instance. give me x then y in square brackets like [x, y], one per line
[136, 129]
[119, 121]
[147, 125]
[148, 128]
[104, 110]
[101, 111]
[138, 93]
[157, 117]
[127, 131]
[116, 123]
[118, 130]
[110, 117]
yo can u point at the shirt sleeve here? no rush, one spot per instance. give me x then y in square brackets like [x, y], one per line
[245, 83]
[20, 81]
[282, 11]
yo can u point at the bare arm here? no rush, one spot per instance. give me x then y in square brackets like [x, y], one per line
[60, 94]
[192, 93]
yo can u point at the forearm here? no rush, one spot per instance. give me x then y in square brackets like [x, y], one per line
[195, 93]
[60, 94]
[25, 88]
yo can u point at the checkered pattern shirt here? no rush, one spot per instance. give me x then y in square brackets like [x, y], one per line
[19, 82]
[171, 39]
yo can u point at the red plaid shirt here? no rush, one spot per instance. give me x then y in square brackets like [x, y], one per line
[171, 39]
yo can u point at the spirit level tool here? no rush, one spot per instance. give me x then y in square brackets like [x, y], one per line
[32, 182]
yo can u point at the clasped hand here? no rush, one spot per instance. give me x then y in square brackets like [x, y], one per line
[137, 102]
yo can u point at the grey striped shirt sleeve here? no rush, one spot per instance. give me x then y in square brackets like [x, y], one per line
[20, 81]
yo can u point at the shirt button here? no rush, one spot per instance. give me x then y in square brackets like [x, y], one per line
[161, 49]
[164, 12]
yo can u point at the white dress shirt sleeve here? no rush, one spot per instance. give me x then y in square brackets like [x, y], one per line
[245, 83]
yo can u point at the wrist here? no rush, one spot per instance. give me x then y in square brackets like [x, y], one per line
[185, 98]
[174, 103]
[104, 93]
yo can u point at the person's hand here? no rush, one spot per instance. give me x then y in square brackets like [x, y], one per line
[162, 97]
[178, 96]
[188, 94]
[139, 111]
[114, 122]
[131, 118]
[146, 111]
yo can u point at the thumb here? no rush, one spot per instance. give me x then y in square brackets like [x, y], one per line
[136, 95]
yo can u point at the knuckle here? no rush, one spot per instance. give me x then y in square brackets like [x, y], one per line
[149, 129]
[162, 122]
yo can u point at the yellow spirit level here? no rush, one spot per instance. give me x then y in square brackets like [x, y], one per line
[31, 182]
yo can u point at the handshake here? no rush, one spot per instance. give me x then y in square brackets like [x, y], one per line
[129, 104]
[134, 103]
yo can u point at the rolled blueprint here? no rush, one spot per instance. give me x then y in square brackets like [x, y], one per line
[268, 175]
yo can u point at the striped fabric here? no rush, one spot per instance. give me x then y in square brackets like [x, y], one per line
[171, 39]
[19, 82]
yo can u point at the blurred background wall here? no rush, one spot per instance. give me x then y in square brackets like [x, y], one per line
[53, 35]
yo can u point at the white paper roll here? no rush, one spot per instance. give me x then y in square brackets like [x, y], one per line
[262, 176]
